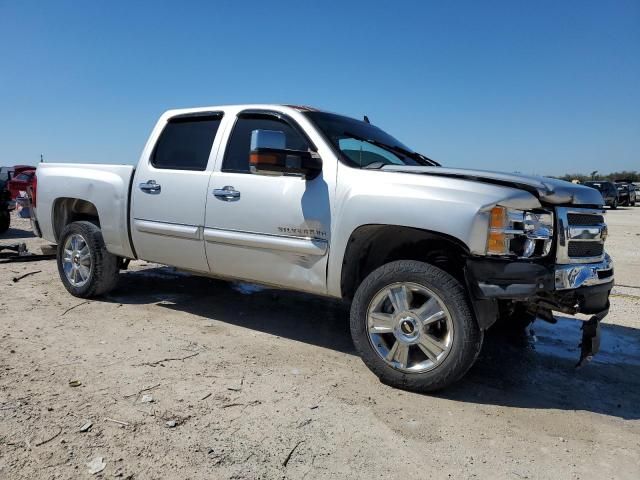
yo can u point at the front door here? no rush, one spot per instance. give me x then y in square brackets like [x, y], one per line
[272, 229]
[169, 192]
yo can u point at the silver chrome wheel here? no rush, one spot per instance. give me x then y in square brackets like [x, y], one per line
[409, 327]
[76, 260]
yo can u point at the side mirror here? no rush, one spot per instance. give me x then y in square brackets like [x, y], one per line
[270, 157]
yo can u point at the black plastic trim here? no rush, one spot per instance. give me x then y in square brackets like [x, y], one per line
[196, 116]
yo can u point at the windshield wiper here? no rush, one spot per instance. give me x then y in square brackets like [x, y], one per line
[396, 149]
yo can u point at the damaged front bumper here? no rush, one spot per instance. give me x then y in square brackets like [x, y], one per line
[572, 288]
[583, 274]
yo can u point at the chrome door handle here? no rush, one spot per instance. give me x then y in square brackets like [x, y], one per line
[228, 193]
[150, 187]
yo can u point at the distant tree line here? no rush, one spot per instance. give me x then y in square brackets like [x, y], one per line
[631, 175]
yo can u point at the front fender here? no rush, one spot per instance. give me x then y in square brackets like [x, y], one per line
[453, 207]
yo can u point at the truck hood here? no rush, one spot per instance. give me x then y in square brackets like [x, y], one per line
[548, 190]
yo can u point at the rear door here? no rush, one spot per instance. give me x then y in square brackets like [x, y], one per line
[170, 189]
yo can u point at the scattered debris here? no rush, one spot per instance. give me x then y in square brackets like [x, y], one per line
[75, 383]
[49, 439]
[146, 389]
[153, 364]
[19, 248]
[286, 460]
[48, 249]
[124, 424]
[86, 427]
[171, 419]
[18, 252]
[18, 278]
[206, 396]
[146, 398]
[238, 387]
[313, 407]
[96, 465]
[75, 306]
[250, 404]
[304, 423]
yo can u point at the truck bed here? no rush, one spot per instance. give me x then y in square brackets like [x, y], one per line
[106, 187]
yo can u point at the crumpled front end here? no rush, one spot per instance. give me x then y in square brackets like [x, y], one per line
[576, 278]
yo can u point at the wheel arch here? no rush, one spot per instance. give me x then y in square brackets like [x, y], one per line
[371, 246]
[67, 210]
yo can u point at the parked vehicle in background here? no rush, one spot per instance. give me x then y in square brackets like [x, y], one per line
[312, 201]
[5, 174]
[8, 172]
[608, 190]
[626, 192]
[21, 181]
[6, 205]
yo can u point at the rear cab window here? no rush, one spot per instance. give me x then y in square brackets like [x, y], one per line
[186, 141]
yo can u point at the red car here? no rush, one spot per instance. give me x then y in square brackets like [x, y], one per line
[21, 178]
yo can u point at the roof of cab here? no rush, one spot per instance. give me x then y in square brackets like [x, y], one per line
[299, 108]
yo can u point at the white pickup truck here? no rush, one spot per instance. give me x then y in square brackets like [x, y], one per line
[303, 199]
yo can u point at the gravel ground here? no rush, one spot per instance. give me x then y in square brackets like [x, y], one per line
[187, 377]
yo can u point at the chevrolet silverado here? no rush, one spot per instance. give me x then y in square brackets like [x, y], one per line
[297, 198]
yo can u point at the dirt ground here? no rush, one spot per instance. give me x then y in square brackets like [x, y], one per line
[186, 377]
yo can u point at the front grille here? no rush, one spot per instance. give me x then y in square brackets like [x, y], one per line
[578, 245]
[584, 219]
[585, 249]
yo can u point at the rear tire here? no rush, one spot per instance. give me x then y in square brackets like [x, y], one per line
[85, 266]
[5, 221]
[614, 205]
[407, 322]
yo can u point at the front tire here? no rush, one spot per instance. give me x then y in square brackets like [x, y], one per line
[614, 205]
[412, 325]
[85, 266]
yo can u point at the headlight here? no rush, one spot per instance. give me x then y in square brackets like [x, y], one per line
[525, 234]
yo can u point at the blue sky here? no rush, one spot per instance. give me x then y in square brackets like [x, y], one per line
[541, 87]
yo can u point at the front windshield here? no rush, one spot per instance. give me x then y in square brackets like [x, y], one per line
[363, 145]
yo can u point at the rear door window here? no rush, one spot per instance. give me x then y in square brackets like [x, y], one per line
[185, 143]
